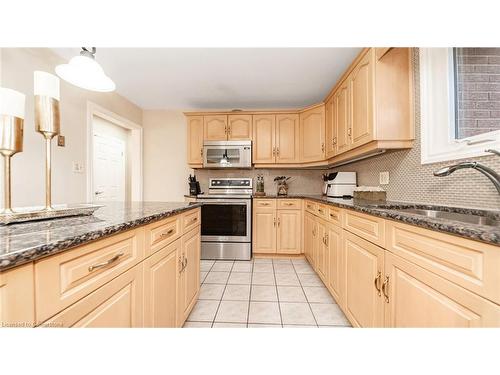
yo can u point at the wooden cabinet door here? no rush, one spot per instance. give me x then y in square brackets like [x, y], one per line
[419, 298]
[308, 237]
[330, 128]
[361, 86]
[364, 305]
[264, 141]
[335, 262]
[190, 274]
[315, 243]
[215, 127]
[239, 127]
[160, 287]
[312, 134]
[17, 296]
[342, 119]
[195, 139]
[322, 251]
[287, 138]
[264, 231]
[289, 232]
[117, 304]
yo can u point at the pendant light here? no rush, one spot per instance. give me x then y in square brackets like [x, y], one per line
[83, 71]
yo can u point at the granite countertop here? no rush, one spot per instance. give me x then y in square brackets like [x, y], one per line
[392, 210]
[25, 242]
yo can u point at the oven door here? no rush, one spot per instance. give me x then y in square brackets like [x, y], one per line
[226, 220]
[227, 156]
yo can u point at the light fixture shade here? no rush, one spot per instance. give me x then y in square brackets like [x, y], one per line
[85, 72]
[46, 84]
[12, 103]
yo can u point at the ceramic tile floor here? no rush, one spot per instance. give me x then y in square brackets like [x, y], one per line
[263, 293]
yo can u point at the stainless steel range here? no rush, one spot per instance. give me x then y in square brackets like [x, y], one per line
[226, 219]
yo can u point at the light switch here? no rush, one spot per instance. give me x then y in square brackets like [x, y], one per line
[77, 167]
[384, 178]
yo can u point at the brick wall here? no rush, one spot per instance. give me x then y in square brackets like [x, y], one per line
[478, 90]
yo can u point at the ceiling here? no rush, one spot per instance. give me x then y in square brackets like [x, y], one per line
[222, 78]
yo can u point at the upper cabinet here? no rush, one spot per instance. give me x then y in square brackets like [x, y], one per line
[195, 140]
[276, 138]
[239, 127]
[215, 127]
[312, 134]
[228, 127]
[360, 81]
[264, 143]
[330, 128]
[287, 138]
[369, 110]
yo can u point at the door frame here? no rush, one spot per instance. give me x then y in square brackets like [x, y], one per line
[134, 149]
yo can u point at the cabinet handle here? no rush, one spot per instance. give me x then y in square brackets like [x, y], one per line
[277, 151]
[229, 130]
[279, 222]
[194, 220]
[385, 285]
[201, 152]
[349, 132]
[322, 147]
[106, 263]
[274, 221]
[377, 282]
[274, 151]
[288, 204]
[169, 232]
[264, 204]
[333, 216]
[184, 263]
[181, 263]
[326, 240]
[334, 141]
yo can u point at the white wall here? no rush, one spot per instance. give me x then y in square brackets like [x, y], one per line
[165, 156]
[28, 178]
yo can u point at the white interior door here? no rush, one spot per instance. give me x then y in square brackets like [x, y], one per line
[108, 168]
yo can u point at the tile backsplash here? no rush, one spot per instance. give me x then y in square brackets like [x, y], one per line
[301, 182]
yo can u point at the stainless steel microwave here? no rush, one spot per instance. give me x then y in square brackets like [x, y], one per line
[227, 154]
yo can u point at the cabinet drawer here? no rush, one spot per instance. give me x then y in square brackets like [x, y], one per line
[311, 207]
[369, 227]
[470, 264]
[117, 304]
[322, 211]
[191, 220]
[264, 203]
[161, 233]
[334, 215]
[289, 204]
[63, 279]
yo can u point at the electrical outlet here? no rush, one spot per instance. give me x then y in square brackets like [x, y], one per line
[77, 167]
[384, 178]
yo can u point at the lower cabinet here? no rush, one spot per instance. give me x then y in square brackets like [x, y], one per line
[364, 265]
[264, 231]
[277, 231]
[189, 274]
[309, 234]
[322, 251]
[289, 239]
[419, 298]
[161, 272]
[17, 297]
[335, 263]
[117, 304]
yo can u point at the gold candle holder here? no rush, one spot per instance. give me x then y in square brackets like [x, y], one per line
[47, 122]
[11, 142]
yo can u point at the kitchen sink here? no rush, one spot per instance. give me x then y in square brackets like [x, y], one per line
[465, 218]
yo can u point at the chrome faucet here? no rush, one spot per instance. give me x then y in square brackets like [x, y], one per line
[488, 172]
